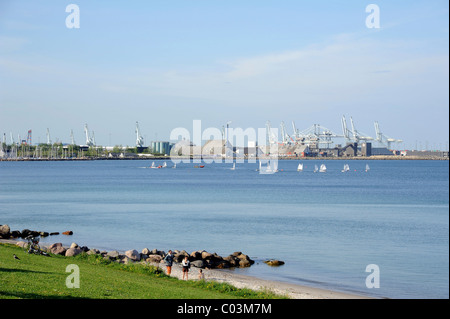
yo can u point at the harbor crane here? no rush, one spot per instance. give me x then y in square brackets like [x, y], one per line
[139, 138]
[90, 140]
[271, 137]
[49, 141]
[383, 139]
[285, 137]
[353, 135]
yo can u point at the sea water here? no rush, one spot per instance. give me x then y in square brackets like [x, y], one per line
[326, 227]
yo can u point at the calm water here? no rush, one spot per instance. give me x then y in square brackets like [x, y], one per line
[327, 227]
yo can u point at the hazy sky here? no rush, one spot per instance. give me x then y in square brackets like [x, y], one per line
[167, 63]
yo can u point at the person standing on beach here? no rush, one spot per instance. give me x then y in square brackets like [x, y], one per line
[169, 261]
[186, 265]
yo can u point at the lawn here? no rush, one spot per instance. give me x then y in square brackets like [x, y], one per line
[41, 277]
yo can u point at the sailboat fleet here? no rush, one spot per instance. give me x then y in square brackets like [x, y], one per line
[272, 167]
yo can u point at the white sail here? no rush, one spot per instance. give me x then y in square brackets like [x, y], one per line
[174, 165]
[323, 168]
[153, 165]
[315, 168]
[300, 167]
[234, 167]
[367, 167]
[346, 168]
[164, 165]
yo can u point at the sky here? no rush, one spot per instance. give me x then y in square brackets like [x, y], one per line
[168, 63]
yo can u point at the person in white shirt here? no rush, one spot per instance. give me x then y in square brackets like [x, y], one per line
[186, 265]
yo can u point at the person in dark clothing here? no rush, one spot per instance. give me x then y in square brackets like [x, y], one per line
[169, 261]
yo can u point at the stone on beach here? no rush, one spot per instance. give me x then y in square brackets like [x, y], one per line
[5, 231]
[57, 249]
[69, 232]
[274, 262]
[133, 255]
[113, 254]
[73, 252]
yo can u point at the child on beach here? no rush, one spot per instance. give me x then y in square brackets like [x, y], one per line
[186, 265]
[201, 276]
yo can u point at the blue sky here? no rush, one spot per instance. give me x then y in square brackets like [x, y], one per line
[167, 63]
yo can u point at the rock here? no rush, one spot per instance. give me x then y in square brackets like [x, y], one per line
[69, 232]
[57, 249]
[5, 231]
[74, 245]
[242, 256]
[145, 251]
[274, 262]
[25, 233]
[195, 255]
[93, 252]
[178, 258]
[223, 264]
[73, 252]
[154, 259]
[43, 234]
[244, 263]
[233, 261]
[133, 255]
[198, 263]
[54, 233]
[21, 243]
[206, 255]
[84, 249]
[125, 260]
[16, 234]
[236, 253]
[113, 254]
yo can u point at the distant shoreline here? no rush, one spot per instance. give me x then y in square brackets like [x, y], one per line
[167, 158]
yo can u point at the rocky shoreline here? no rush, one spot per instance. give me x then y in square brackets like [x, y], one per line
[199, 258]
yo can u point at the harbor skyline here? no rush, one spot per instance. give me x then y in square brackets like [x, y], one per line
[166, 65]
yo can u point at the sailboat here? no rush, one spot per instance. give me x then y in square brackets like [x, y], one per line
[367, 168]
[300, 168]
[153, 165]
[164, 165]
[316, 169]
[174, 165]
[234, 167]
[346, 168]
[323, 168]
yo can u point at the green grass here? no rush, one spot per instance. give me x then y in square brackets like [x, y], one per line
[40, 277]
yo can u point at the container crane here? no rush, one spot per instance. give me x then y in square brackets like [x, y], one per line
[383, 139]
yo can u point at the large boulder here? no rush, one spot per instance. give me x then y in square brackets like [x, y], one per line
[57, 249]
[233, 261]
[133, 255]
[198, 263]
[113, 254]
[73, 252]
[206, 255]
[154, 259]
[274, 262]
[5, 231]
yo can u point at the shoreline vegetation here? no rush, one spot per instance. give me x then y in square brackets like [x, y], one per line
[217, 283]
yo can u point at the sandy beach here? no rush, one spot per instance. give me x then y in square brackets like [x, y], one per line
[292, 291]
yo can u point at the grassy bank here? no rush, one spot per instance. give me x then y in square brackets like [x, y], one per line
[36, 277]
